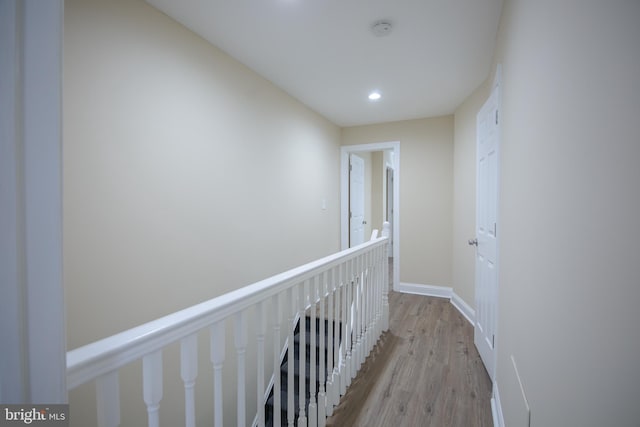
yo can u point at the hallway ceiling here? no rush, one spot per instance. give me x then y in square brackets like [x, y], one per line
[325, 54]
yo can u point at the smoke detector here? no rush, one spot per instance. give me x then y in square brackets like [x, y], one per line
[381, 28]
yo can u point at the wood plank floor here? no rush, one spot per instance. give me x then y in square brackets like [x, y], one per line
[425, 371]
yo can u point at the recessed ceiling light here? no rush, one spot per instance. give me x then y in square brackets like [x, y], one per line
[374, 96]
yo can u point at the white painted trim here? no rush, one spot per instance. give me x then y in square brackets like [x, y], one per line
[496, 407]
[42, 138]
[425, 290]
[464, 308]
[13, 369]
[344, 196]
[32, 254]
[440, 292]
[497, 83]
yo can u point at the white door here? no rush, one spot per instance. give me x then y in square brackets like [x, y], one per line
[356, 200]
[487, 163]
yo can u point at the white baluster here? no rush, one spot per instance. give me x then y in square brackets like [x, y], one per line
[277, 404]
[189, 372]
[330, 354]
[353, 310]
[260, 369]
[362, 295]
[108, 399]
[241, 347]
[152, 385]
[368, 295]
[377, 314]
[355, 333]
[379, 290]
[373, 301]
[293, 309]
[349, 303]
[373, 286]
[365, 293]
[337, 330]
[322, 375]
[359, 292]
[344, 279]
[302, 303]
[348, 327]
[313, 408]
[357, 304]
[373, 283]
[386, 232]
[376, 295]
[217, 360]
[337, 334]
[362, 341]
[376, 299]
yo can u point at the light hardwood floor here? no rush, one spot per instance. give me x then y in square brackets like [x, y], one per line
[424, 371]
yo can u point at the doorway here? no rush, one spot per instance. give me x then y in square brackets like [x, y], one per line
[393, 162]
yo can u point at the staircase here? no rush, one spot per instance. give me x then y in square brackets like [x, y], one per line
[284, 370]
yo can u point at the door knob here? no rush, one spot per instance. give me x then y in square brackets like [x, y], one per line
[473, 242]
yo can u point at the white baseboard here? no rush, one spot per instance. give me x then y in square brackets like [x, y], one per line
[426, 290]
[464, 308]
[496, 407]
[440, 292]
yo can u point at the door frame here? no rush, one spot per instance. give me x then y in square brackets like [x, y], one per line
[31, 264]
[345, 150]
[389, 208]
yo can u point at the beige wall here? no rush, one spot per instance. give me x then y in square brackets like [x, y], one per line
[426, 188]
[180, 165]
[464, 194]
[570, 204]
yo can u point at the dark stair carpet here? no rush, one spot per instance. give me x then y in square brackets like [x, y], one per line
[284, 371]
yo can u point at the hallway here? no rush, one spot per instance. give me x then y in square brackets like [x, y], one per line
[425, 371]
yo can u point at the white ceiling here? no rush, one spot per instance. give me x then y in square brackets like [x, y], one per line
[323, 52]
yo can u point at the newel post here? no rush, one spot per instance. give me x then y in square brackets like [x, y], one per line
[386, 229]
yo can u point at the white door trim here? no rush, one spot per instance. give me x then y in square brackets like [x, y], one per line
[388, 209]
[32, 311]
[345, 150]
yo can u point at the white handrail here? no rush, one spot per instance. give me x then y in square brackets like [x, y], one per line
[93, 360]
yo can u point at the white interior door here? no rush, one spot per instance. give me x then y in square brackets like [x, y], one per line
[486, 230]
[356, 200]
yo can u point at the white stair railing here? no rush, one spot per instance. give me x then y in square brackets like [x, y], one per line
[347, 290]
